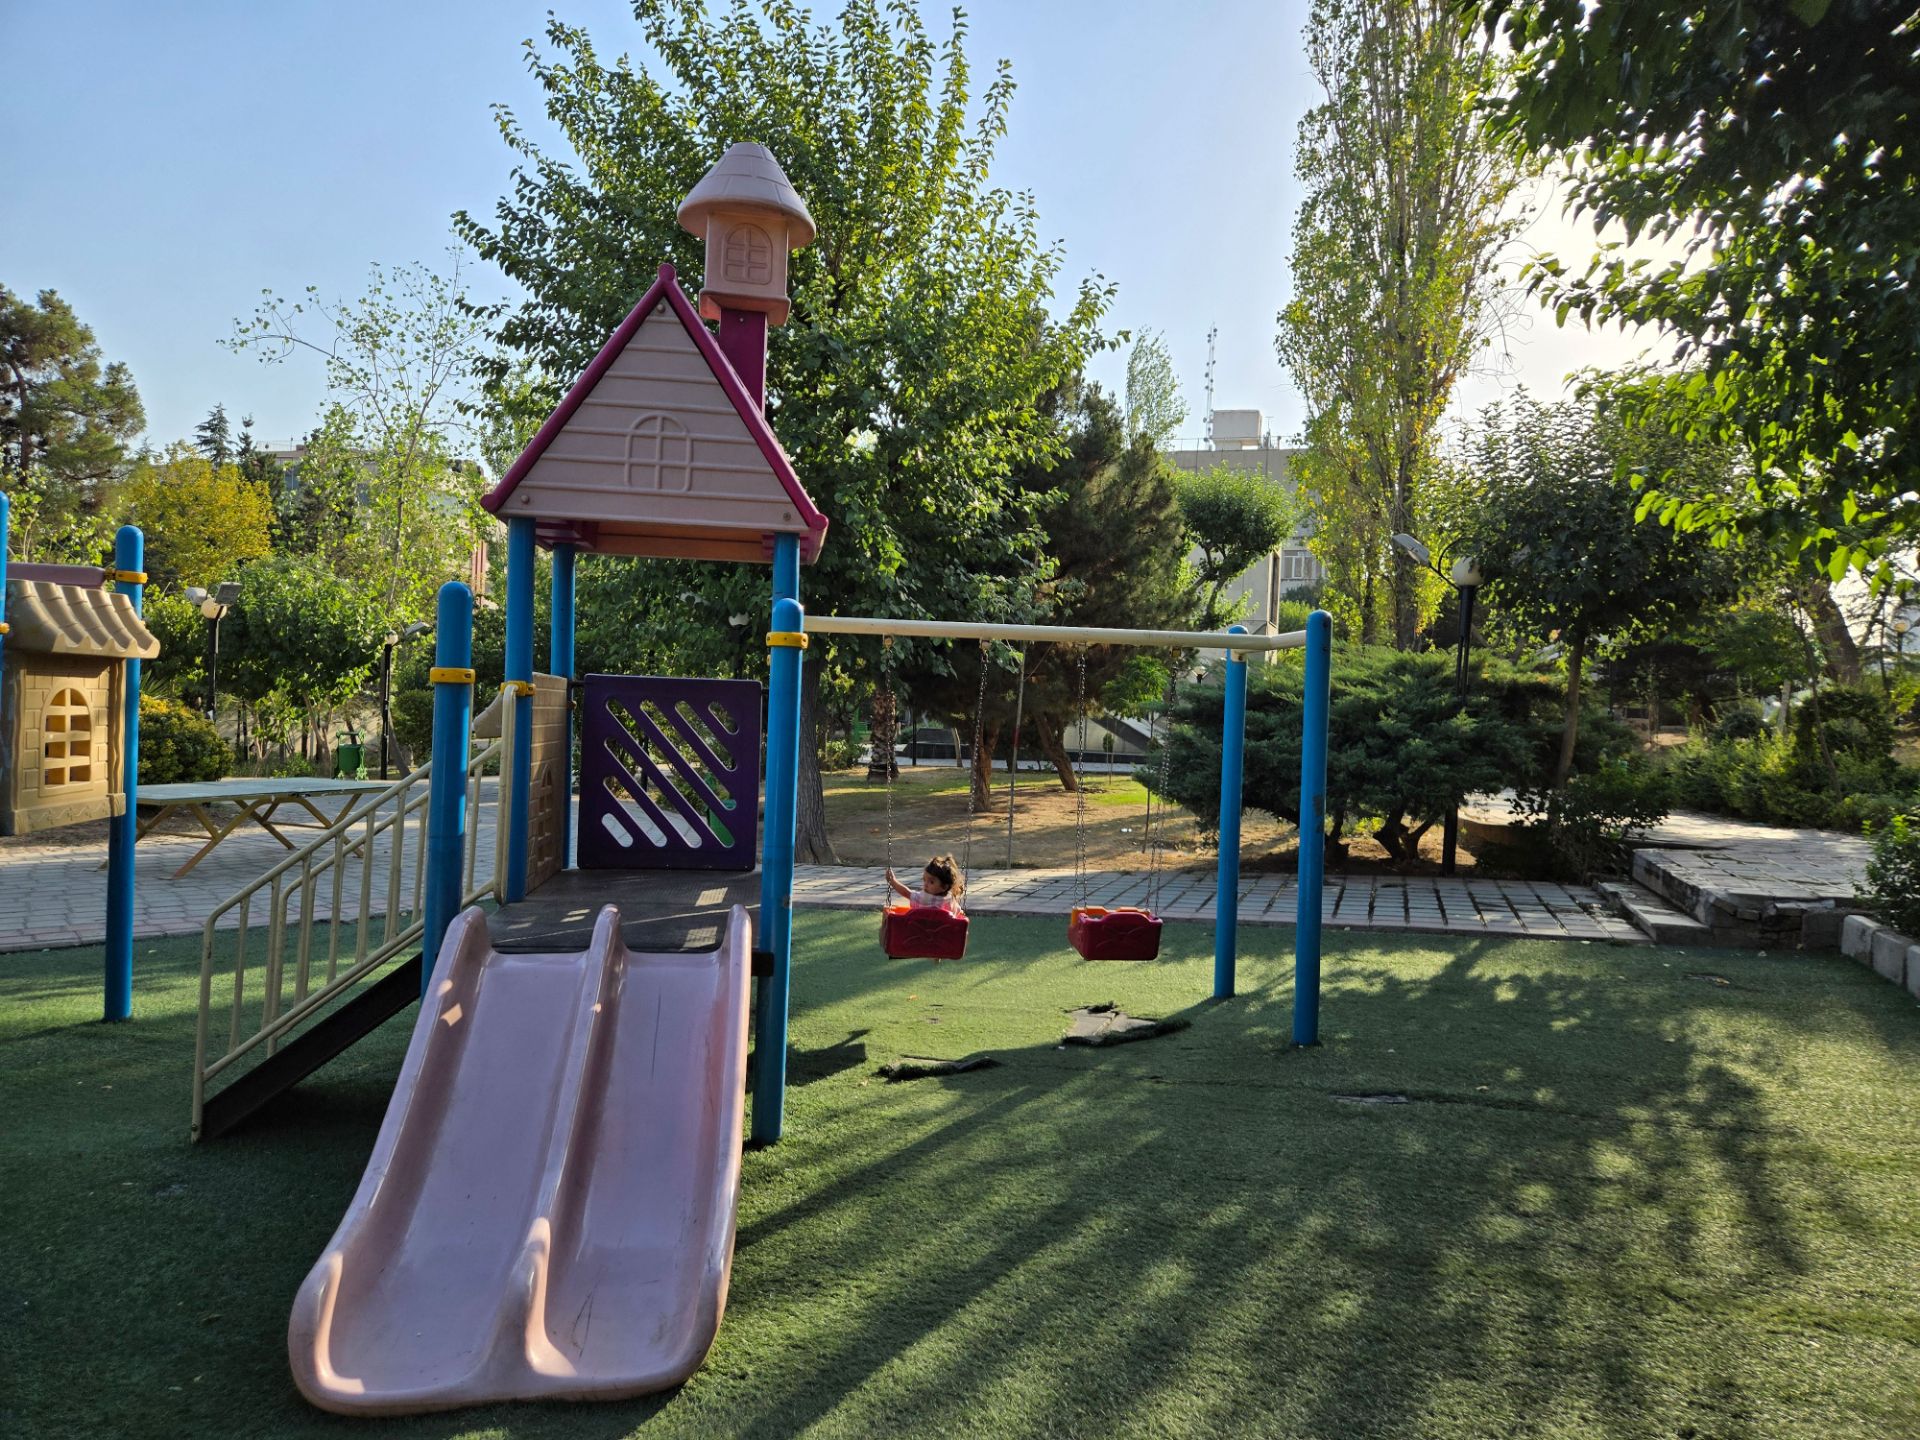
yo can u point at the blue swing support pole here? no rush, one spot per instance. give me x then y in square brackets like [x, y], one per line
[129, 578]
[1313, 828]
[560, 662]
[518, 767]
[787, 641]
[447, 819]
[1233, 752]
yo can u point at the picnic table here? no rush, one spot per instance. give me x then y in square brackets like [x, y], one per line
[258, 800]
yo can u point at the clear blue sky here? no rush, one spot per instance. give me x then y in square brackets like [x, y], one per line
[170, 161]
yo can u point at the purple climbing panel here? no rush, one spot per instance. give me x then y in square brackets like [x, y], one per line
[669, 773]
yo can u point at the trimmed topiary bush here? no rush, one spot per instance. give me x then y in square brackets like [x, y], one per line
[178, 744]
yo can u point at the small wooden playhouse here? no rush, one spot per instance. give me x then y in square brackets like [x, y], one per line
[62, 697]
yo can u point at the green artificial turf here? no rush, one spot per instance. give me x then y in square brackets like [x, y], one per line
[1630, 1193]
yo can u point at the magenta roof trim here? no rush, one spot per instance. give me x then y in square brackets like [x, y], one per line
[751, 415]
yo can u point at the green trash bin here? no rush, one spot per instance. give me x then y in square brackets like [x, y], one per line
[349, 760]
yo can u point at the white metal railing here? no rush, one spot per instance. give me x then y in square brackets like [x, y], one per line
[300, 974]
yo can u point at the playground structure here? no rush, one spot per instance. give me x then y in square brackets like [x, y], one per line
[526, 1137]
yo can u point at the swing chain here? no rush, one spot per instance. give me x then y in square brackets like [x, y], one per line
[886, 716]
[1166, 752]
[1080, 785]
[979, 735]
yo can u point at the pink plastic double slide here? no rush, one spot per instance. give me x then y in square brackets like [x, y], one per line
[549, 1209]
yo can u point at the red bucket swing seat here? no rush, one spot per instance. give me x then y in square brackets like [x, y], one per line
[1122, 933]
[922, 932]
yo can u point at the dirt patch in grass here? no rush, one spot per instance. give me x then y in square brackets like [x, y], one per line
[930, 818]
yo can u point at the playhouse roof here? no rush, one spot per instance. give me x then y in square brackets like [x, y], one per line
[747, 178]
[659, 449]
[48, 619]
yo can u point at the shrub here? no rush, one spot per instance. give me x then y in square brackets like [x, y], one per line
[1857, 724]
[1741, 721]
[1768, 780]
[1588, 823]
[178, 744]
[1893, 874]
[1402, 747]
[841, 754]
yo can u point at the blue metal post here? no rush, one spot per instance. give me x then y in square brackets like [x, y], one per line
[560, 662]
[776, 860]
[1313, 828]
[519, 669]
[447, 786]
[1226, 889]
[129, 559]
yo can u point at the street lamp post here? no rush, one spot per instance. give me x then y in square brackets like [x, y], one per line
[395, 639]
[1465, 578]
[214, 605]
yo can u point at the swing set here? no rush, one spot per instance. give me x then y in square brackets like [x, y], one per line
[1096, 932]
[1124, 932]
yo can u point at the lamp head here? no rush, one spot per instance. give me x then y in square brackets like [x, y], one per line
[1466, 573]
[1408, 545]
[212, 608]
[195, 594]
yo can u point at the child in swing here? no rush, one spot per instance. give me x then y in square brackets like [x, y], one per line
[941, 885]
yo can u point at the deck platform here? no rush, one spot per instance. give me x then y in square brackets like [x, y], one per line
[660, 910]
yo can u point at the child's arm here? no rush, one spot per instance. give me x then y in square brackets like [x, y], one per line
[894, 885]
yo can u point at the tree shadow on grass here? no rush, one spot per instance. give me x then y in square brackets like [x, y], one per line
[1597, 1181]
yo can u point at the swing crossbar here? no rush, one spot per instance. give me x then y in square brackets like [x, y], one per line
[1055, 634]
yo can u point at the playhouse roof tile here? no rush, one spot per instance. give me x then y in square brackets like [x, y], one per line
[48, 619]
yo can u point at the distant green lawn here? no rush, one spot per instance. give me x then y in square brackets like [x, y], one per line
[1624, 1199]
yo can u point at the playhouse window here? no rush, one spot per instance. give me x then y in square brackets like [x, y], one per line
[749, 256]
[659, 455]
[66, 750]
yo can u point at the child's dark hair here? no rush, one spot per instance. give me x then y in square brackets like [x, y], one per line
[946, 870]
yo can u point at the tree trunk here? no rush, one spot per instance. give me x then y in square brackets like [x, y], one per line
[1406, 601]
[810, 843]
[1576, 652]
[1836, 640]
[982, 797]
[1055, 749]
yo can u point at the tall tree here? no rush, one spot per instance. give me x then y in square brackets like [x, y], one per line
[1115, 547]
[1154, 406]
[905, 382]
[1536, 497]
[1779, 143]
[65, 422]
[1232, 519]
[1406, 213]
[382, 491]
[202, 520]
[213, 436]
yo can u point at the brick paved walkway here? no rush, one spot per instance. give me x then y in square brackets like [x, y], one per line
[53, 894]
[1530, 909]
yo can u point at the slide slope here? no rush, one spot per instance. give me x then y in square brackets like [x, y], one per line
[549, 1208]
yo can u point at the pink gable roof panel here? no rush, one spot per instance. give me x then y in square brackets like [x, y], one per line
[658, 449]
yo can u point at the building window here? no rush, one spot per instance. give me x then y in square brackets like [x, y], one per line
[659, 455]
[66, 749]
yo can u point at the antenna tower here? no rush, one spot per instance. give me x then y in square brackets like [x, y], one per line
[1213, 333]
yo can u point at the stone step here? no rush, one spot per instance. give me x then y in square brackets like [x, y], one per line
[1652, 915]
